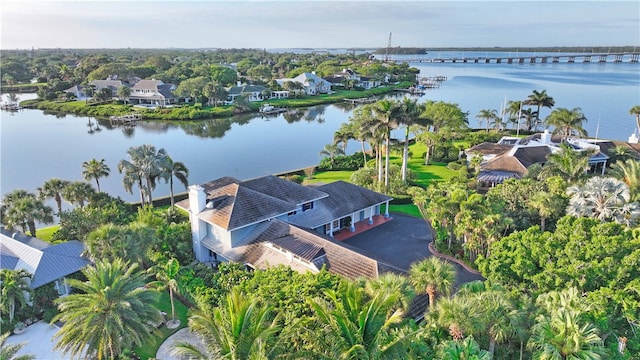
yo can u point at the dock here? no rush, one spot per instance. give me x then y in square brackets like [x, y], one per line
[267, 109]
[10, 106]
[126, 120]
[368, 100]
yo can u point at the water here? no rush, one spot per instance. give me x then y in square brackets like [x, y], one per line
[36, 146]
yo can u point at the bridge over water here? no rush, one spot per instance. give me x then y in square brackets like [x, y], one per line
[631, 57]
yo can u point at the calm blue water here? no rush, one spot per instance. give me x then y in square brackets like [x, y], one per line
[36, 146]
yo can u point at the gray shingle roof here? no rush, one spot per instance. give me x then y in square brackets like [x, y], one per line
[45, 261]
[344, 199]
[237, 90]
[284, 189]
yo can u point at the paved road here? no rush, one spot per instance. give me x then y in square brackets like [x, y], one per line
[401, 242]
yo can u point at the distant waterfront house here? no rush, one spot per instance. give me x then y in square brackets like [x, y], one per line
[113, 85]
[252, 92]
[78, 91]
[48, 263]
[511, 157]
[270, 221]
[348, 75]
[312, 83]
[152, 92]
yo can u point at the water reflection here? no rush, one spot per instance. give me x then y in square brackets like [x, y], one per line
[213, 128]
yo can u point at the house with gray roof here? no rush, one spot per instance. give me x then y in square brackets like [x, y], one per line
[152, 92]
[47, 263]
[252, 92]
[270, 221]
[312, 83]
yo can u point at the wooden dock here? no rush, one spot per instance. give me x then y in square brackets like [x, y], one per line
[10, 106]
[126, 120]
[368, 100]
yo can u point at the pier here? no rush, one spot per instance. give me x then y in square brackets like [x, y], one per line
[126, 120]
[361, 100]
[10, 107]
[537, 59]
[267, 109]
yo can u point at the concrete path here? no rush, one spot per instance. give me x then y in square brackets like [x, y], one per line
[182, 335]
[39, 342]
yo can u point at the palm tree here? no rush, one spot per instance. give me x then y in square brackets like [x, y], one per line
[52, 189]
[547, 204]
[465, 349]
[128, 242]
[167, 275]
[635, 110]
[488, 115]
[529, 117]
[94, 169]
[629, 172]
[603, 198]
[409, 116]
[145, 165]
[360, 329]
[170, 169]
[539, 99]
[360, 116]
[15, 291]
[514, 111]
[386, 115]
[434, 276]
[123, 93]
[331, 150]
[501, 318]
[24, 209]
[342, 136]
[390, 283]
[567, 122]
[78, 192]
[111, 312]
[567, 163]
[239, 329]
[9, 351]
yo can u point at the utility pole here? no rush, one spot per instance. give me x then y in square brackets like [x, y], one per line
[386, 56]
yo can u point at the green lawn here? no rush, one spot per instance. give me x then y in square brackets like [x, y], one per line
[330, 176]
[149, 350]
[46, 233]
[407, 209]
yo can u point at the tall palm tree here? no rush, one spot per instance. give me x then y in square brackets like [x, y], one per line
[52, 189]
[529, 116]
[547, 204]
[433, 275]
[144, 166]
[603, 198]
[386, 114]
[360, 116]
[629, 172]
[111, 312]
[78, 192]
[170, 169]
[488, 115]
[123, 93]
[9, 351]
[14, 288]
[239, 329]
[514, 112]
[167, 275]
[94, 169]
[24, 209]
[635, 110]
[410, 115]
[567, 163]
[567, 122]
[539, 99]
[342, 136]
[360, 328]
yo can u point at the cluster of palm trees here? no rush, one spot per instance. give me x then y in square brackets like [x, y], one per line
[145, 166]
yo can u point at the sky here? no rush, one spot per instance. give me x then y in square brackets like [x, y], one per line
[27, 24]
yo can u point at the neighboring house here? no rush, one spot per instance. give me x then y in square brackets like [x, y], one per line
[252, 92]
[269, 221]
[152, 92]
[511, 157]
[78, 91]
[312, 83]
[46, 262]
[111, 84]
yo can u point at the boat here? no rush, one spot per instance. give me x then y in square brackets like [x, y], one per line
[270, 109]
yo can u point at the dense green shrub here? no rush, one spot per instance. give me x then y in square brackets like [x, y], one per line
[445, 152]
[342, 162]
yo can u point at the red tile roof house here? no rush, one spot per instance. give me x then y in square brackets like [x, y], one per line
[270, 221]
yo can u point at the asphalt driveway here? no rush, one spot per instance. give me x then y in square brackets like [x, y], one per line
[401, 242]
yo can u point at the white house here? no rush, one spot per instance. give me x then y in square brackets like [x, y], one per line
[268, 221]
[312, 83]
[152, 92]
[252, 92]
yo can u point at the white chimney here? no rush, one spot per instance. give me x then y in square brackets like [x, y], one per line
[238, 83]
[546, 137]
[633, 139]
[197, 199]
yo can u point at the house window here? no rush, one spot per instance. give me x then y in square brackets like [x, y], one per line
[307, 206]
[291, 213]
